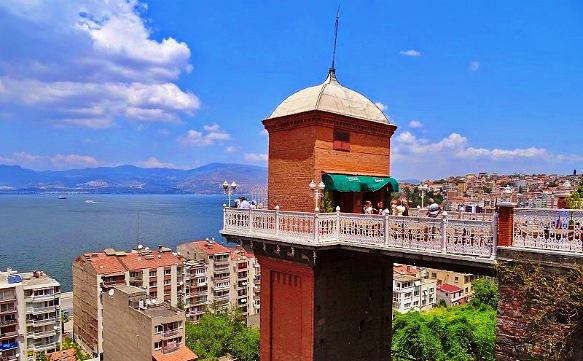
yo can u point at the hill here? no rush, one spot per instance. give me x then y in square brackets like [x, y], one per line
[131, 179]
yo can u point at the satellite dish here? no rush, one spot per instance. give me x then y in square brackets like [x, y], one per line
[110, 292]
[140, 246]
[147, 248]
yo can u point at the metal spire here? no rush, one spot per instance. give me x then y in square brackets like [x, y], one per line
[333, 69]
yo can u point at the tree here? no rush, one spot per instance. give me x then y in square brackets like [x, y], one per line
[485, 294]
[574, 199]
[221, 331]
[41, 356]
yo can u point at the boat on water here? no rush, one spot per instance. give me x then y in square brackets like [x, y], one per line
[62, 197]
[90, 201]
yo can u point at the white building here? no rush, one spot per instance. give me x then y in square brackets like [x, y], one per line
[452, 295]
[30, 318]
[219, 276]
[413, 293]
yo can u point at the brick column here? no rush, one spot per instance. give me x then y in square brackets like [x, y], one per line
[505, 224]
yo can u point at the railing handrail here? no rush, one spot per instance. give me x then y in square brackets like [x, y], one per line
[470, 237]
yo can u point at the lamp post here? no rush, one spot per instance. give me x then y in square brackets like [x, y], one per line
[229, 189]
[507, 194]
[317, 191]
[423, 188]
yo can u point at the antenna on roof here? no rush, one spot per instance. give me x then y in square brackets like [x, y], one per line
[333, 69]
[138, 231]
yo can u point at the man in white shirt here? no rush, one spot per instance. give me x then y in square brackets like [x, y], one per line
[244, 204]
[433, 209]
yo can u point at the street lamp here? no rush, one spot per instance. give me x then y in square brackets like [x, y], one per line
[423, 188]
[229, 189]
[507, 193]
[317, 192]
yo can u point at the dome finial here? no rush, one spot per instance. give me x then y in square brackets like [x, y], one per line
[332, 72]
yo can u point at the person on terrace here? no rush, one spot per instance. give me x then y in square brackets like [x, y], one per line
[433, 209]
[368, 209]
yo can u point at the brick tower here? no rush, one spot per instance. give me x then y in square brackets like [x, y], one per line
[338, 307]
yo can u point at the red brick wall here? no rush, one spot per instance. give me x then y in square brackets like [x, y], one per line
[505, 225]
[287, 311]
[291, 168]
[301, 149]
[369, 154]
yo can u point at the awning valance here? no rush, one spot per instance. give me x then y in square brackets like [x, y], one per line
[358, 183]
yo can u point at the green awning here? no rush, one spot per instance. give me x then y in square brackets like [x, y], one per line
[358, 183]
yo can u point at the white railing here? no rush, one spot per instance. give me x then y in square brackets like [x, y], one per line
[548, 229]
[453, 236]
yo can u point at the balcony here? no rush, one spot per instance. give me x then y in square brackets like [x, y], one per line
[43, 333]
[8, 335]
[171, 333]
[37, 298]
[8, 346]
[222, 287]
[9, 298]
[170, 348]
[222, 297]
[46, 321]
[44, 347]
[473, 238]
[38, 310]
[8, 322]
[8, 311]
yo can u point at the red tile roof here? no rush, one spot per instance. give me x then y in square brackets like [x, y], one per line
[446, 287]
[211, 247]
[66, 355]
[104, 264]
[241, 253]
[406, 270]
[182, 354]
[136, 261]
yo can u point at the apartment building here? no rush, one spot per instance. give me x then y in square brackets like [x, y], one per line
[461, 280]
[452, 295]
[413, 293]
[158, 272]
[30, 318]
[219, 276]
[139, 328]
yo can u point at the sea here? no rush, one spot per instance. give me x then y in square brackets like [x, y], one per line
[42, 232]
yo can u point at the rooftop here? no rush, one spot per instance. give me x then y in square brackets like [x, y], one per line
[111, 262]
[10, 277]
[331, 97]
[182, 354]
[211, 247]
[66, 355]
[446, 287]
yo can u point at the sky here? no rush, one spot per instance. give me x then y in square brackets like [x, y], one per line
[493, 86]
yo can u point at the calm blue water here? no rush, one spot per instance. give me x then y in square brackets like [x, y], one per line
[43, 232]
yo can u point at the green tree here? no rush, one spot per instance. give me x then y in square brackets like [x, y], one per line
[41, 357]
[574, 199]
[485, 294]
[221, 331]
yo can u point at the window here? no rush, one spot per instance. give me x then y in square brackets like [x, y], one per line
[158, 329]
[341, 140]
[152, 273]
[167, 271]
[157, 345]
[433, 275]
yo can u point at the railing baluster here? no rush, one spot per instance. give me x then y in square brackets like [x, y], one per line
[386, 235]
[276, 221]
[444, 233]
[250, 221]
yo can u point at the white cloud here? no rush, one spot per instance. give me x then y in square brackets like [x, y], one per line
[57, 161]
[231, 149]
[98, 62]
[414, 157]
[474, 66]
[153, 162]
[212, 134]
[415, 124]
[264, 132]
[254, 157]
[381, 106]
[410, 52]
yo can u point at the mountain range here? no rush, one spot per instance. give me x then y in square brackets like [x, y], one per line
[131, 179]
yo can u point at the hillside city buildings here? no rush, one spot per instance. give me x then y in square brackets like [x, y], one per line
[479, 193]
[139, 328]
[30, 318]
[200, 275]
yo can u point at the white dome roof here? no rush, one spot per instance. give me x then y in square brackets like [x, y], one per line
[331, 97]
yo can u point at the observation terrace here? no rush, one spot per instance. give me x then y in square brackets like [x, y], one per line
[450, 239]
